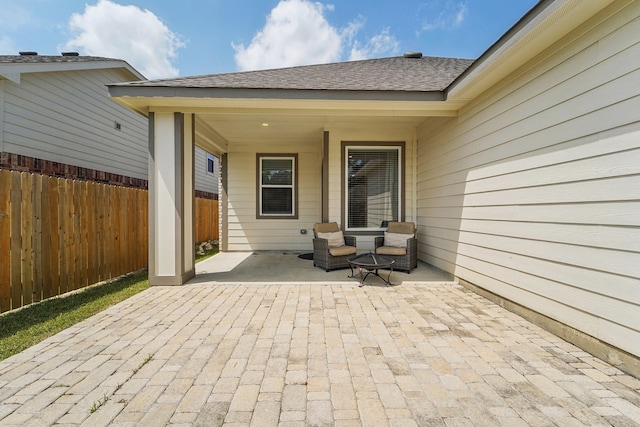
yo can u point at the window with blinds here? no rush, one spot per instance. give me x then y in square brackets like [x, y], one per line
[276, 186]
[373, 186]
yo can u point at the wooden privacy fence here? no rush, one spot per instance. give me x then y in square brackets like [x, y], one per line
[206, 220]
[58, 235]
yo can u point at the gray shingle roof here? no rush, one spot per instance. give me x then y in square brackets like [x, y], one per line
[49, 59]
[426, 74]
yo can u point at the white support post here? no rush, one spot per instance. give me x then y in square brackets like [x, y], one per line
[171, 198]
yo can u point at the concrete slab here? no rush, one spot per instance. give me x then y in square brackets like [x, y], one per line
[288, 267]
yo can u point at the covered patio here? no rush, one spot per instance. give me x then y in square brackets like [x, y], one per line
[280, 352]
[277, 267]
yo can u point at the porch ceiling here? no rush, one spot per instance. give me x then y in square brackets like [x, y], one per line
[267, 126]
[241, 120]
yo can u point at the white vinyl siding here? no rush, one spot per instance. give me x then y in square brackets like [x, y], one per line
[68, 117]
[533, 192]
[205, 181]
[245, 232]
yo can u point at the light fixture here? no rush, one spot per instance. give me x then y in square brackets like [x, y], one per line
[265, 124]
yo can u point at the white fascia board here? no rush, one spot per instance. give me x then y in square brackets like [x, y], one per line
[13, 71]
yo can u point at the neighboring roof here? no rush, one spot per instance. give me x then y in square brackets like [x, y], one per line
[12, 66]
[423, 74]
[47, 59]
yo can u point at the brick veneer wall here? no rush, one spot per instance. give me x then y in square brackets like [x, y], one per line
[206, 195]
[21, 163]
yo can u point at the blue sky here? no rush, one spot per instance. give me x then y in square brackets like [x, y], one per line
[191, 37]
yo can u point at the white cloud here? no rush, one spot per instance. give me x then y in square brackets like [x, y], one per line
[445, 15]
[297, 32]
[112, 30]
[383, 44]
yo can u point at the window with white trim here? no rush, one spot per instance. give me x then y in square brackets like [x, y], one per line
[373, 185]
[277, 186]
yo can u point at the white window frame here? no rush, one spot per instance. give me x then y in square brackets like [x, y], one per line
[371, 146]
[294, 186]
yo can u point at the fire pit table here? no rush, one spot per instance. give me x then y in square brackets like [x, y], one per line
[369, 264]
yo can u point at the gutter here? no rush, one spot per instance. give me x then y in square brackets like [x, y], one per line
[122, 91]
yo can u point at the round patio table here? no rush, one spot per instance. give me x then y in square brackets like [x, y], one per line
[369, 264]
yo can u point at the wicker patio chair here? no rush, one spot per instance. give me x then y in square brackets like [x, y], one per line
[330, 247]
[400, 244]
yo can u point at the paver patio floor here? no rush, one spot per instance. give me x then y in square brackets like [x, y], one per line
[312, 354]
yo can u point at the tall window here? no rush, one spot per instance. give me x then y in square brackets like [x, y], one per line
[277, 181]
[373, 185]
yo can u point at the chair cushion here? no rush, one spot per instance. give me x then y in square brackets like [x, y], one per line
[402, 227]
[396, 240]
[389, 250]
[342, 251]
[335, 239]
[326, 227]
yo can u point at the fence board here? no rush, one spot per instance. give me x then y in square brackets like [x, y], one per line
[117, 223]
[63, 220]
[130, 239]
[91, 234]
[16, 240]
[76, 229]
[104, 247]
[84, 235]
[27, 241]
[54, 227]
[5, 240]
[36, 236]
[101, 233]
[70, 237]
[45, 238]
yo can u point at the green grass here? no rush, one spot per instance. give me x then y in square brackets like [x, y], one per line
[21, 329]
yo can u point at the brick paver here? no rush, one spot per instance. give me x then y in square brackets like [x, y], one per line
[311, 355]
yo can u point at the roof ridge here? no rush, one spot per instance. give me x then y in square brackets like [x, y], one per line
[306, 67]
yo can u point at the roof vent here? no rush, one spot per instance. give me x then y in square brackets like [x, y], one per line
[417, 55]
[70, 53]
[27, 53]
